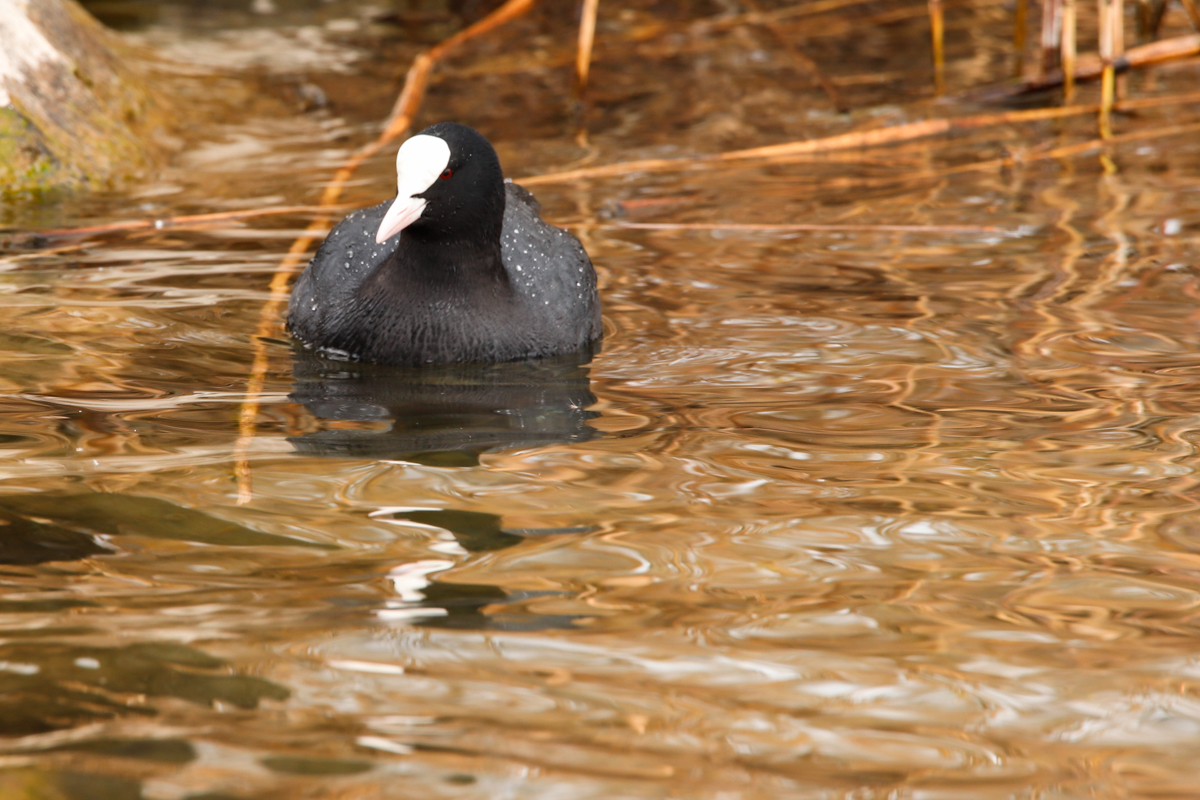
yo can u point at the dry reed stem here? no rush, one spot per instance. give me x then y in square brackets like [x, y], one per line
[1119, 90]
[1068, 51]
[1020, 28]
[398, 122]
[1008, 162]
[1135, 136]
[858, 139]
[1089, 66]
[1012, 161]
[1108, 46]
[1064, 151]
[1051, 35]
[799, 227]
[1119, 44]
[583, 52]
[812, 9]
[183, 221]
[937, 32]
[49, 251]
[791, 12]
[1107, 90]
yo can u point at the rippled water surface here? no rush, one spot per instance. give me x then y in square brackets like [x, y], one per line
[848, 513]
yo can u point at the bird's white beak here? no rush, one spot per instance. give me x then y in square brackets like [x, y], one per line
[419, 162]
[404, 212]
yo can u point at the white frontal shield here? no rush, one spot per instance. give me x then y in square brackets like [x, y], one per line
[419, 162]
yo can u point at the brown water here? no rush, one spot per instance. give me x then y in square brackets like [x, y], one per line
[854, 514]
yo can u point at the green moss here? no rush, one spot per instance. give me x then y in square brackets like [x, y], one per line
[84, 126]
[26, 162]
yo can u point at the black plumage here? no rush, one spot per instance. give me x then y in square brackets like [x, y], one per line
[478, 276]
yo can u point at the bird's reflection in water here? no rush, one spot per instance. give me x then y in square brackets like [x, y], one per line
[424, 600]
[443, 415]
[448, 416]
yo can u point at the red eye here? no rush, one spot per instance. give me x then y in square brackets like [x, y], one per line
[446, 173]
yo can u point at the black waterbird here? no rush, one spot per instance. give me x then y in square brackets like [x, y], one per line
[459, 267]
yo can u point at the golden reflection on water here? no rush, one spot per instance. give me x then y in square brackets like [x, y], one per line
[852, 514]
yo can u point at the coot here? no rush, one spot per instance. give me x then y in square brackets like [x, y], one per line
[459, 267]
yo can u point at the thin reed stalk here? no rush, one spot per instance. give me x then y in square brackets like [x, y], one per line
[846, 141]
[398, 123]
[1051, 36]
[1089, 66]
[583, 52]
[1108, 45]
[1119, 47]
[1015, 160]
[181, 222]
[797, 227]
[815, 8]
[937, 32]
[1020, 31]
[1068, 51]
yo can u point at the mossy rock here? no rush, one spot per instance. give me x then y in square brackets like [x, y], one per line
[25, 159]
[74, 110]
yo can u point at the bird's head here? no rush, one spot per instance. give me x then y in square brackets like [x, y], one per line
[449, 186]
